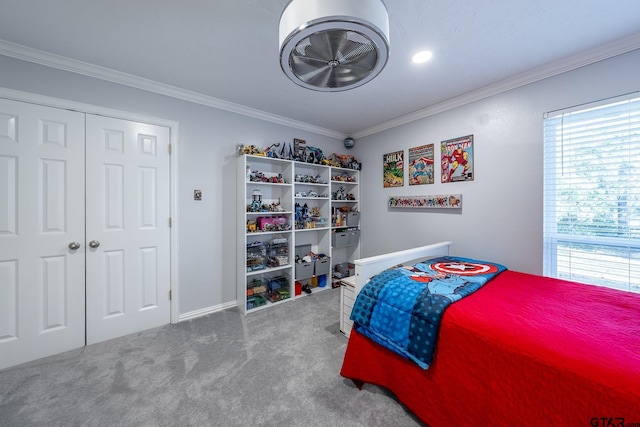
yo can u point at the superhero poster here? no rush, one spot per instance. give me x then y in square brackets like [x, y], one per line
[457, 159]
[393, 169]
[421, 165]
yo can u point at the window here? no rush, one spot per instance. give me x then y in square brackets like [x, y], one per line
[592, 193]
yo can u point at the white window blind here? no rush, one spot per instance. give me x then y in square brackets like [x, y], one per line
[592, 193]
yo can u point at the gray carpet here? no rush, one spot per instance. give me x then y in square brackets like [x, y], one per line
[276, 367]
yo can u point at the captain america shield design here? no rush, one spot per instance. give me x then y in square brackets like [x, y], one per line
[463, 268]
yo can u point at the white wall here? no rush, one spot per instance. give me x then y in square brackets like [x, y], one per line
[501, 218]
[207, 153]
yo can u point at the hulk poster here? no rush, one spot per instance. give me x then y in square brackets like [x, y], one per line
[393, 169]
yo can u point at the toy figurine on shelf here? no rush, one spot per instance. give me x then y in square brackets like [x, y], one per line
[250, 149]
[331, 161]
[314, 155]
[256, 202]
[277, 207]
[344, 161]
[340, 194]
[272, 150]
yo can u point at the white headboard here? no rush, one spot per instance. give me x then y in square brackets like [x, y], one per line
[367, 267]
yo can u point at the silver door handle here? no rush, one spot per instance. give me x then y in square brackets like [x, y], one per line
[94, 243]
[74, 245]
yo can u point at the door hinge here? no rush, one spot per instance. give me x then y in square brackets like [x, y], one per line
[169, 295]
[170, 150]
[169, 222]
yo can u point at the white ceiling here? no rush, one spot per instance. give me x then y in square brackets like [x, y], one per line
[225, 53]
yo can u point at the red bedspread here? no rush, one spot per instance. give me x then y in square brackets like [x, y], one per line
[522, 350]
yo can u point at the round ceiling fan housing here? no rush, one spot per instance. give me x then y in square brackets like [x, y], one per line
[333, 45]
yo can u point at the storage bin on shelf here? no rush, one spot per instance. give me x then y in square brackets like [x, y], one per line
[340, 239]
[255, 301]
[345, 268]
[353, 219]
[273, 223]
[309, 264]
[256, 287]
[322, 266]
[256, 256]
[304, 270]
[256, 292]
[277, 289]
[343, 238]
[261, 255]
[354, 237]
[342, 216]
[278, 252]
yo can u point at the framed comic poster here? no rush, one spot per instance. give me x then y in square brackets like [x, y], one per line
[393, 169]
[457, 159]
[421, 165]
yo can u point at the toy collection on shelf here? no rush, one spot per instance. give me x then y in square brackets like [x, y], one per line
[309, 179]
[258, 205]
[340, 214]
[311, 257]
[342, 270]
[344, 216]
[272, 289]
[264, 255]
[300, 152]
[309, 273]
[265, 224]
[306, 218]
[341, 194]
[257, 176]
[343, 177]
[266, 279]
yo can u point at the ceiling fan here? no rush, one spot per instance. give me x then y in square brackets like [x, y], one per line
[333, 45]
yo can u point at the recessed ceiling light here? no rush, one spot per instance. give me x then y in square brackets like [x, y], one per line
[422, 57]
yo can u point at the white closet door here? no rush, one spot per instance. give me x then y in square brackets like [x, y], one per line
[128, 235]
[42, 284]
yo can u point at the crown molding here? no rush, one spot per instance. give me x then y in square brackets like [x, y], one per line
[71, 65]
[607, 51]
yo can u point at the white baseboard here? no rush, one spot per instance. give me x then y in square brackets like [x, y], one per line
[208, 310]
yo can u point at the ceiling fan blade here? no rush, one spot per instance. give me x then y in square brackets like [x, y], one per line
[321, 46]
[353, 51]
[307, 68]
[365, 60]
[324, 78]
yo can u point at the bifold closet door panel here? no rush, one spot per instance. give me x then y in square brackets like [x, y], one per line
[128, 232]
[42, 252]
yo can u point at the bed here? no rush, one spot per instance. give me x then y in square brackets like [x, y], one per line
[521, 350]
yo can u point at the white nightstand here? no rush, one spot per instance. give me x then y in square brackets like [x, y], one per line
[347, 297]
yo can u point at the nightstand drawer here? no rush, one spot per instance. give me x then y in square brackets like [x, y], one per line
[347, 299]
[347, 310]
[347, 324]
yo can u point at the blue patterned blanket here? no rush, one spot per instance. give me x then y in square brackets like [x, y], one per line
[401, 308]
